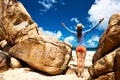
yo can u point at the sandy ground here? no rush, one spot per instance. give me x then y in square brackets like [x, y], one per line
[25, 74]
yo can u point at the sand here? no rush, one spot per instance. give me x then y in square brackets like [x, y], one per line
[25, 74]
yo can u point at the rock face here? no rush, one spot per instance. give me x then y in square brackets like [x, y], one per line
[15, 22]
[110, 39]
[106, 61]
[4, 61]
[26, 42]
[50, 58]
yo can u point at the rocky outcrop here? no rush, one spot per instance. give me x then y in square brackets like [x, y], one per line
[26, 42]
[110, 39]
[106, 61]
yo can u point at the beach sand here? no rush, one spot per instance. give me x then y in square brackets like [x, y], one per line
[25, 74]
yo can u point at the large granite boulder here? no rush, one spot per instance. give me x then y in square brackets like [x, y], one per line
[47, 57]
[106, 61]
[106, 68]
[110, 39]
[26, 42]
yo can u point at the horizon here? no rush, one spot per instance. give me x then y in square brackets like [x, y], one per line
[88, 48]
[49, 14]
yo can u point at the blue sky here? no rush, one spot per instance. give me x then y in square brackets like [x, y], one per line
[49, 14]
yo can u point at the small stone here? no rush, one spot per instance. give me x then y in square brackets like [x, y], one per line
[15, 63]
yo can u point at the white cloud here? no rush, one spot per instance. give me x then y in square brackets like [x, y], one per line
[75, 19]
[95, 38]
[92, 42]
[47, 4]
[50, 33]
[69, 39]
[103, 8]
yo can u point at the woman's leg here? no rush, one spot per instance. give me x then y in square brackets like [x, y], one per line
[81, 53]
[83, 62]
[78, 63]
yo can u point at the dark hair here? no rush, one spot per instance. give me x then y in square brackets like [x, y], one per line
[79, 32]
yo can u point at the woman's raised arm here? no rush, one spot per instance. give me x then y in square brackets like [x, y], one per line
[63, 24]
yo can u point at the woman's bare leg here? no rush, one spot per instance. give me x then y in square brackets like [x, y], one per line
[83, 63]
[81, 53]
[78, 63]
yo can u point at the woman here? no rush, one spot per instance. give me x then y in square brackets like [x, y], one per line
[81, 49]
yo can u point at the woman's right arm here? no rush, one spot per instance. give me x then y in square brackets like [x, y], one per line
[63, 24]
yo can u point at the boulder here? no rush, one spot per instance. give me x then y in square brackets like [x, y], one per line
[44, 56]
[110, 40]
[15, 63]
[107, 57]
[4, 61]
[26, 42]
[103, 65]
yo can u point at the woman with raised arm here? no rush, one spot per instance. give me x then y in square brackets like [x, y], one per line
[80, 48]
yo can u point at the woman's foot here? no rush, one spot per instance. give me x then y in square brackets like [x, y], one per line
[82, 75]
[79, 75]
